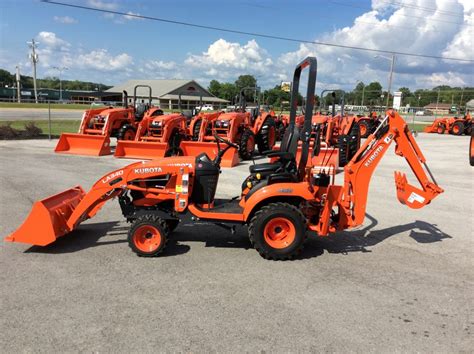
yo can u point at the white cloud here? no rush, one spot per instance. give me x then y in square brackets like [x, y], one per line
[224, 59]
[160, 65]
[50, 40]
[391, 27]
[101, 59]
[103, 5]
[65, 20]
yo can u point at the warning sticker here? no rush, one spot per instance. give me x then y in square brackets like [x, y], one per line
[415, 197]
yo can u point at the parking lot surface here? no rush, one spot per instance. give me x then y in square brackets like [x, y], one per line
[401, 282]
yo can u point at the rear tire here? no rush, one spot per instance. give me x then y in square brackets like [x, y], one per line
[247, 145]
[278, 231]
[457, 129]
[127, 132]
[197, 129]
[365, 129]
[267, 136]
[348, 145]
[174, 149]
[148, 235]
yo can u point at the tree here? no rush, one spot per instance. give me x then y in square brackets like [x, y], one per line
[245, 81]
[215, 88]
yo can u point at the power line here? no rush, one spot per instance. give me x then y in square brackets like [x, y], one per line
[424, 8]
[409, 16]
[254, 34]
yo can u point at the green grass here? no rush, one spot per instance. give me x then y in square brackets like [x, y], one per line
[57, 126]
[44, 105]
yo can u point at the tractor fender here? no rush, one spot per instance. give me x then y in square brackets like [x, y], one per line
[278, 192]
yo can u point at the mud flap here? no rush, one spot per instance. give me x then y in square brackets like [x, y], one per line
[83, 144]
[146, 150]
[48, 218]
[194, 148]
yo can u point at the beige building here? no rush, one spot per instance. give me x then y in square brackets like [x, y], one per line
[166, 93]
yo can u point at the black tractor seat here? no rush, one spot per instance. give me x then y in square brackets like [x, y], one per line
[264, 168]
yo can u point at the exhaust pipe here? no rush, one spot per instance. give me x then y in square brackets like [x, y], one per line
[125, 99]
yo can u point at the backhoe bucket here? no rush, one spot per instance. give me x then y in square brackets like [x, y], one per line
[146, 150]
[48, 218]
[413, 197]
[194, 148]
[83, 144]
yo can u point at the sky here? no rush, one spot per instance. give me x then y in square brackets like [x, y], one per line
[107, 48]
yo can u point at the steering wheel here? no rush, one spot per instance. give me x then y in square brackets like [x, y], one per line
[225, 141]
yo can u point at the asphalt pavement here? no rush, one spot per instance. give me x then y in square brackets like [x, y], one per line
[402, 282]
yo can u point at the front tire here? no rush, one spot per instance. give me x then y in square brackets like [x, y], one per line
[267, 136]
[127, 132]
[458, 128]
[148, 235]
[247, 145]
[441, 128]
[278, 231]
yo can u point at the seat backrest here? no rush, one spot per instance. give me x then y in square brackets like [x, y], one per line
[140, 110]
[289, 143]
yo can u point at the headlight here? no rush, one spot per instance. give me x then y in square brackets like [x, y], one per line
[156, 123]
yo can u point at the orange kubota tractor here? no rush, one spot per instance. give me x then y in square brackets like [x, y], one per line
[100, 124]
[451, 125]
[280, 201]
[157, 136]
[244, 128]
[334, 137]
[368, 124]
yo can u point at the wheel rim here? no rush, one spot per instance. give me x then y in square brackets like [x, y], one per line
[129, 135]
[147, 238]
[456, 129]
[271, 137]
[363, 129]
[279, 233]
[250, 144]
[440, 129]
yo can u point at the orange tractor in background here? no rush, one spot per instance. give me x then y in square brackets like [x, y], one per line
[335, 137]
[280, 202]
[245, 128]
[368, 124]
[100, 124]
[451, 125]
[157, 136]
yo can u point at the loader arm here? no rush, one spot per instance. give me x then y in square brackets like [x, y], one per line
[358, 173]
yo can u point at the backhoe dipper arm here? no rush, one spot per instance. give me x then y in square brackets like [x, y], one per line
[358, 172]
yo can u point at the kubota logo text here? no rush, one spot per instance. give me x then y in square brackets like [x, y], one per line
[147, 170]
[373, 156]
[112, 176]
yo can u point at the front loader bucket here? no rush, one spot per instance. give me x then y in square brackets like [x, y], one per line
[194, 148]
[147, 150]
[48, 218]
[83, 144]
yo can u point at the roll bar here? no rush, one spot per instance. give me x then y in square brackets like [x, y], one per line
[135, 94]
[312, 63]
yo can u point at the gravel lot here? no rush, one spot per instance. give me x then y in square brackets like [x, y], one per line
[401, 282]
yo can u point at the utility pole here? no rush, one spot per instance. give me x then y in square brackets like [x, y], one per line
[392, 65]
[34, 59]
[60, 69]
[18, 83]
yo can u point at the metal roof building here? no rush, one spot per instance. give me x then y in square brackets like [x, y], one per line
[165, 93]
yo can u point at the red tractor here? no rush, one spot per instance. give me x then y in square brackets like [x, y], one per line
[368, 124]
[282, 203]
[451, 125]
[158, 135]
[244, 128]
[98, 125]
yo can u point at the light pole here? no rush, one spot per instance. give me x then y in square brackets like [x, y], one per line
[34, 60]
[60, 69]
[392, 64]
[363, 91]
